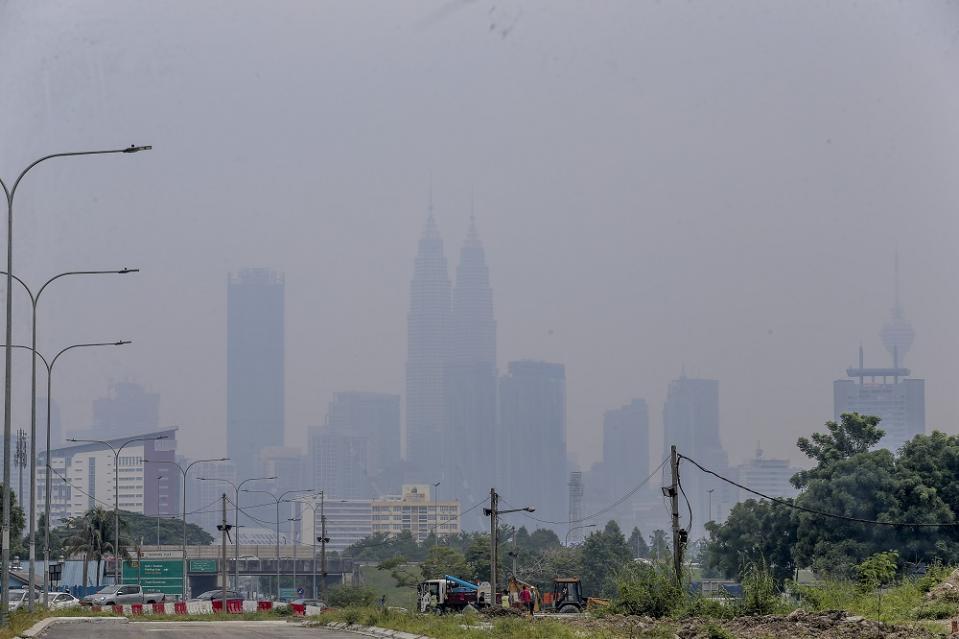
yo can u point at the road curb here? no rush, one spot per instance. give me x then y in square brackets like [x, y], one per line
[36, 629]
[375, 631]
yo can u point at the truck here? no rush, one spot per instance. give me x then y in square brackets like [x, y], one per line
[122, 594]
[453, 594]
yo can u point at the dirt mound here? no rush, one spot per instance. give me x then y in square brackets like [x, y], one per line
[948, 590]
[799, 624]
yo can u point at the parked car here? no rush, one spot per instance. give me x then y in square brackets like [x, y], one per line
[61, 600]
[122, 594]
[18, 598]
[210, 595]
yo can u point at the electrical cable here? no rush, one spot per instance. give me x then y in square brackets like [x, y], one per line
[599, 512]
[813, 511]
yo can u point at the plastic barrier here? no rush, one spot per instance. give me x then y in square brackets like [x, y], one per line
[159, 608]
[312, 611]
[217, 605]
[234, 606]
[299, 610]
[179, 608]
[264, 605]
[136, 609]
[117, 609]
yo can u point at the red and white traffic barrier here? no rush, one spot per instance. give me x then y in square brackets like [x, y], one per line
[233, 607]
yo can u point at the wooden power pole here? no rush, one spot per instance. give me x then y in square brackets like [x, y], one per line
[494, 543]
[678, 533]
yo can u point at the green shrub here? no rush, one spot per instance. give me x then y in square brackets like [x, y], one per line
[935, 610]
[351, 616]
[347, 596]
[760, 595]
[648, 589]
[715, 631]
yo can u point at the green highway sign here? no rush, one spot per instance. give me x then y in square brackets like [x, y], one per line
[206, 566]
[155, 575]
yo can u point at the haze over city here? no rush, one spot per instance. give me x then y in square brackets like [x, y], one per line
[713, 187]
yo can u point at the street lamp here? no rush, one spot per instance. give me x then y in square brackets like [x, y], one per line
[34, 301]
[10, 193]
[566, 543]
[236, 521]
[293, 521]
[116, 490]
[184, 471]
[159, 477]
[49, 364]
[278, 500]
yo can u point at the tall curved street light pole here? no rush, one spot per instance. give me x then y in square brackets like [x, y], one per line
[34, 300]
[116, 490]
[566, 543]
[10, 193]
[236, 522]
[278, 500]
[49, 364]
[184, 471]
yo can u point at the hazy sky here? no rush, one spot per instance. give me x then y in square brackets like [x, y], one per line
[719, 185]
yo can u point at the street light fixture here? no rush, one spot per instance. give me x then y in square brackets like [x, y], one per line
[10, 193]
[236, 521]
[184, 471]
[116, 490]
[278, 500]
[49, 364]
[566, 543]
[34, 301]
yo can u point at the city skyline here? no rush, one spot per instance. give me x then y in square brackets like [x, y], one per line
[605, 258]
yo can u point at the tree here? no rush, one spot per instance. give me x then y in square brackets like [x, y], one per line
[443, 561]
[659, 546]
[17, 520]
[92, 537]
[638, 544]
[854, 434]
[604, 553]
[139, 526]
[346, 596]
[875, 572]
[755, 533]
[405, 574]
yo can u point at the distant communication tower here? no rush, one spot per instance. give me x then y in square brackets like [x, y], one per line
[575, 498]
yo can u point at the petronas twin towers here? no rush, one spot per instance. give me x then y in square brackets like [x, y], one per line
[451, 369]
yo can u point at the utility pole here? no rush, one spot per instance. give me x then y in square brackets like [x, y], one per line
[323, 541]
[493, 512]
[494, 542]
[224, 530]
[679, 535]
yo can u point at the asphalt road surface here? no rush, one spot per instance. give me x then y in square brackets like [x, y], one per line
[191, 630]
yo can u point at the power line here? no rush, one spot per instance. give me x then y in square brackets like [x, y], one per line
[813, 511]
[602, 511]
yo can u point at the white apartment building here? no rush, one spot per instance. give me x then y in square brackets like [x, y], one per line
[86, 475]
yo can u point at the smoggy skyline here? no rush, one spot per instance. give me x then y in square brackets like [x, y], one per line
[657, 186]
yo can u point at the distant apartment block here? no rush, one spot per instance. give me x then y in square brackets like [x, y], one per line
[416, 512]
[83, 477]
[338, 464]
[347, 522]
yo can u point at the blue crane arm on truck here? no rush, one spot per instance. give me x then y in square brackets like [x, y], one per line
[462, 583]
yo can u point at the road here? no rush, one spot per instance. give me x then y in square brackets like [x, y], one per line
[190, 630]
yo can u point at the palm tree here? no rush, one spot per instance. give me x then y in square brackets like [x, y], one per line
[91, 535]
